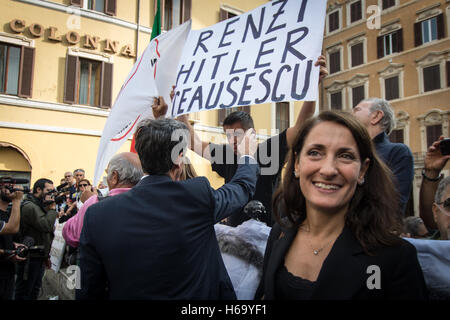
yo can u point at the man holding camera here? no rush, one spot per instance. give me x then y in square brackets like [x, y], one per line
[38, 217]
[9, 225]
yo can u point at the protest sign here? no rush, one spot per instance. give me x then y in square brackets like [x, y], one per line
[58, 246]
[153, 75]
[265, 55]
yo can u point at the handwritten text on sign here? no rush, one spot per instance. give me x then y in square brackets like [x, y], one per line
[265, 55]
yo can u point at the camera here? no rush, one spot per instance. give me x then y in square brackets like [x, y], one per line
[63, 187]
[27, 249]
[444, 146]
[10, 181]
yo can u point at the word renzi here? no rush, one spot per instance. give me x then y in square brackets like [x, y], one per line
[243, 81]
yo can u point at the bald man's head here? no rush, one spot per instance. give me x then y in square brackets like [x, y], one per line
[124, 170]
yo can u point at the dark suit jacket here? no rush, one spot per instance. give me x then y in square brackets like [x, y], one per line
[157, 241]
[344, 273]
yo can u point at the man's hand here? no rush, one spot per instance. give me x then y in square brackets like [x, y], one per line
[16, 195]
[183, 118]
[159, 107]
[16, 258]
[248, 144]
[434, 160]
[88, 193]
[322, 62]
[172, 93]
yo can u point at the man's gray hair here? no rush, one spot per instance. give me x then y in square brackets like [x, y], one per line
[412, 225]
[443, 185]
[388, 121]
[127, 171]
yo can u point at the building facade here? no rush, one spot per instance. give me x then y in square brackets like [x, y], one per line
[398, 50]
[63, 62]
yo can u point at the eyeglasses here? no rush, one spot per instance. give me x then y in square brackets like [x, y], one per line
[444, 206]
[83, 185]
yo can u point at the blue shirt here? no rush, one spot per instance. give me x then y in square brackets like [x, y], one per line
[398, 157]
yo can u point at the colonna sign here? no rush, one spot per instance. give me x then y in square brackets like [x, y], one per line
[37, 30]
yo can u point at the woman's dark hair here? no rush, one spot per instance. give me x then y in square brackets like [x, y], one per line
[239, 116]
[374, 214]
[86, 180]
[158, 143]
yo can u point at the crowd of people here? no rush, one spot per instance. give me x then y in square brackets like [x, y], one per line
[316, 212]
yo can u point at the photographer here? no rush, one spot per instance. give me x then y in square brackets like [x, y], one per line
[9, 224]
[38, 220]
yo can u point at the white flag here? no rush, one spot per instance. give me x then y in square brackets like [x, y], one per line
[153, 75]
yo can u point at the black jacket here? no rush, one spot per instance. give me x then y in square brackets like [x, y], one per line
[157, 241]
[344, 272]
[35, 222]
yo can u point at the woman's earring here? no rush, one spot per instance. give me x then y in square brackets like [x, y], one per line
[361, 182]
[296, 174]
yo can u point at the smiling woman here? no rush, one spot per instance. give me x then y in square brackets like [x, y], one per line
[338, 221]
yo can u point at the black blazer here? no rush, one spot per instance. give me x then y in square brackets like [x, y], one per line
[157, 241]
[344, 274]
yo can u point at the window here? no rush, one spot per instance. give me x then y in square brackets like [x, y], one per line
[175, 12]
[282, 116]
[16, 69]
[97, 5]
[103, 6]
[388, 3]
[336, 100]
[431, 78]
[429, 30]
[335, 62]
[355, 11]
[357, 95]
[88, 82]
[391, 87]
[357, 54]
[396, 136]
[433, 133]
[390, 43]
[9, 69]
[333, 21]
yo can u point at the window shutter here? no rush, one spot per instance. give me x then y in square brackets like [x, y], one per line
[358, 95]
[433, 133]
[440, 26]
[336, 101]
[223, 15]
[399, 47]
[187, 4]
[106, 89]
[418, 34]
[26, 72]
[448, 73]
[380, 47]
[110, 7]
[221, 116]
[432, 78]
[70, 84]
[357, 54]
[78, 3]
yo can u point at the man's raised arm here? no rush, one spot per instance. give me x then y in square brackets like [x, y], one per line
[308, 107]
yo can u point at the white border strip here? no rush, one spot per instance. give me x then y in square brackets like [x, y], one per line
[35, 127]
[87, 14]
[20, 102]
